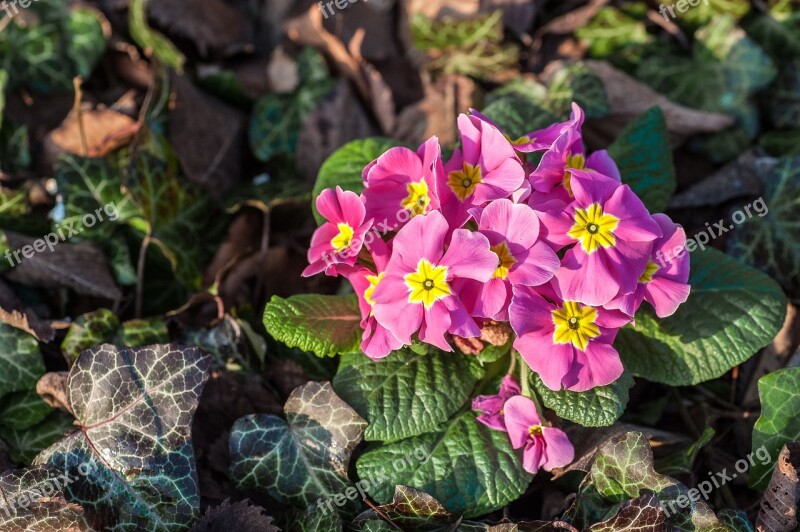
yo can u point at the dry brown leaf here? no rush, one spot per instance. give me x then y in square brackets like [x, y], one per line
[209, 24]
[436, 113]
[338, 119]
[445, 8]
[778, 511]
[81, 267]
[207, 136]
[736, 179]
[104, 131]
[52, 388]
[629, 98]
[41, 330]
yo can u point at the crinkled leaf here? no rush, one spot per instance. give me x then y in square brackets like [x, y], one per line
[778, 424]
[324, 325]
[771, 242]
[644, 160]
[732, 312]
[598, 407]
[303, 458]
[343, 168]
[236, 516]
[401, 395]
[33, 501]
[468, 467]
[134, 409]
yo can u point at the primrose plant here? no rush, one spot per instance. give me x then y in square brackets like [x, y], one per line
[535, 235]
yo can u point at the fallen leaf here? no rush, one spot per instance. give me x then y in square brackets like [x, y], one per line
[81, 267]
[52, 388]
[778, 511]
[207, 136]
[629, 98]
[103, 131]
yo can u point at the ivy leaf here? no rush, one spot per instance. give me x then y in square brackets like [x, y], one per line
[33, 501]
[343, 168]
[132, 456]
[623, 470]
[778, 424]
[468, 467]
[310, 520]
[732, 312]
[598, 407]
[516, 110]
[681, 462]
[410, 509]
[783, 103]
[641, 514]
[325, 325]
[401, 395]
[304, 458]
[21, 364]
[24, 409]
[644, 159]
[771, 242]
[577, 83]
[26, 443]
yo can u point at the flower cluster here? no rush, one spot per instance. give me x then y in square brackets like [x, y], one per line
[534, 231]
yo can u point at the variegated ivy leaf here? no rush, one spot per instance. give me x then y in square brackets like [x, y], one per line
[302, 460]
[21, 364]
[25, 444]
[643, 514]
[623, 470]
[410, 509]
[32, 500]
[132, 454]
[20, 410]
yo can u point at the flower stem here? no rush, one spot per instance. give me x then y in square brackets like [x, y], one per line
[527, 391]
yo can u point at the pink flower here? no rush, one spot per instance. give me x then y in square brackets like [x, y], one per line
[664, 281]
[376, 340]
[544, 447]
[567, 343]
[513, 233]
[491, 406]
[566, 154]
[401, 184]
[486, 168]
[339, 240]
[613, 235]
[416, 293]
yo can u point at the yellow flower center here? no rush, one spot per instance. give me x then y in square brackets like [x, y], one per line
[418, 199]
[373, 284]
[649, 271]
[575, 324]
[576, 162]
[535, 430]
[504, 260]
[343, 239]
[594, 229]
[427, 284]
[463, 182]
[519, 141]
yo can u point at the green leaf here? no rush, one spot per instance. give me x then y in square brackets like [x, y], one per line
[24, 409]
[151, 40]
[86, 43]
[21, 364]
[732, 312]
[783, 100]
[343, 168]
[682, 462]
[778, 36]
[770, 238]
[641, 514]
[517, 110]
[310, 520]
[134, 407]
[613, 32]
[33, 500]
[325, 325]
[401, 395]
[644, 159]
[89, 330]
[577, 83]
[135, 333]
[3, 83]
[778, 424]
[468, 467]
[304, 458]
[26, 443]
[598, 407]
